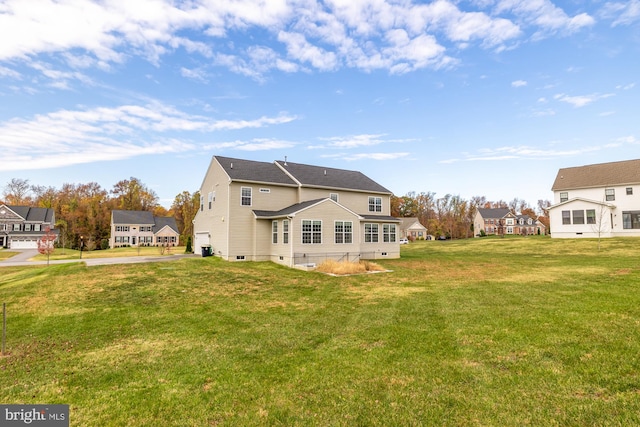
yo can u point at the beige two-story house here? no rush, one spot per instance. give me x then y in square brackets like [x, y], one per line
[142, 228]
[293, 214]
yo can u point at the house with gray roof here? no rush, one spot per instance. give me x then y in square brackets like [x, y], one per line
[22, 226]
[142, 228]
[293, 214]
[501, 221]
[412, 229]
[599, 200]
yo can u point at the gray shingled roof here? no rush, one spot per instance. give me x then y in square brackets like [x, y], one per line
[144, 218]
[296, 173]
[319, 176]
[133, 217]
[598, 175]
[288, 210]
[165, 221]
[252, 171]
[33, 214]
[493, 213]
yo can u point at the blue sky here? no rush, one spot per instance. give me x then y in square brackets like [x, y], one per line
[471, 98]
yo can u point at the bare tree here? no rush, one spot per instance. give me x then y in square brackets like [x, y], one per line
[600, 225]
[16, 192]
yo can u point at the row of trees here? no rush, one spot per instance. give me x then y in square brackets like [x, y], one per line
[453, 216]
[85, 209]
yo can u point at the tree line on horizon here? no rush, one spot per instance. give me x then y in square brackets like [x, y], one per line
[85, 209]
[452, 216]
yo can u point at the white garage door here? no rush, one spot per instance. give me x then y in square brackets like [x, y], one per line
[201, 239]
[23, 244]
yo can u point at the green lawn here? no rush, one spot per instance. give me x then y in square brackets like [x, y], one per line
[484, 332]
[70, 254]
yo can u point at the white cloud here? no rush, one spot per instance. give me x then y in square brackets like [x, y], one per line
[621, 13]
[354, 141]
[69, 137]
[376, 156]
[519, 152]
[256, 144]
[545, 15]
[8, 72]
[194, 74]
[581, 100]
[518, 83]
[399, 36]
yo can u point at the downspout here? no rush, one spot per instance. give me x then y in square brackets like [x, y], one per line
[290, 219]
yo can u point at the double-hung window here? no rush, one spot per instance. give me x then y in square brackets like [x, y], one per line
[311, 231]
[344, 232]
[389, 233]
[285, 231]
[375, 204]
[245, 197]
[591, 216]
[566, 217]
[578, 217]
[371, 233]
[274, 232]
[610, 194]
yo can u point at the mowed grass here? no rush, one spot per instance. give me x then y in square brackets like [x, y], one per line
[73, 254]
[484, 332]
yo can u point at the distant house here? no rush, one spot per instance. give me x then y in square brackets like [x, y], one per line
[22, 226]
[293, 214]
[599, 200]
[412, 229]
[141, 228]
[503, 221]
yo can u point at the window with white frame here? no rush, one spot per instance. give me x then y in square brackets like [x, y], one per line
[274, 232]
[610, 194]
[245, 196]
[344, 232]
[210, 199]
[334, 197]
[389, 233]
[36, 227]
[122, 228]
[285, 231]
[578, 217]
[629, 191]
[311, 231]
[27, 227]
[371, 233]
[591, 216]
[375, 204]
[564, 196]
[566, 217]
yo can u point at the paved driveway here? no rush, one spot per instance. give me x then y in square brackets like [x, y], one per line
[23, 256]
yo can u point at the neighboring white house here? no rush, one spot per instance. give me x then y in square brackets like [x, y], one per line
[293, 214]
[600, 200]
[142, 228]
[22, 226]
